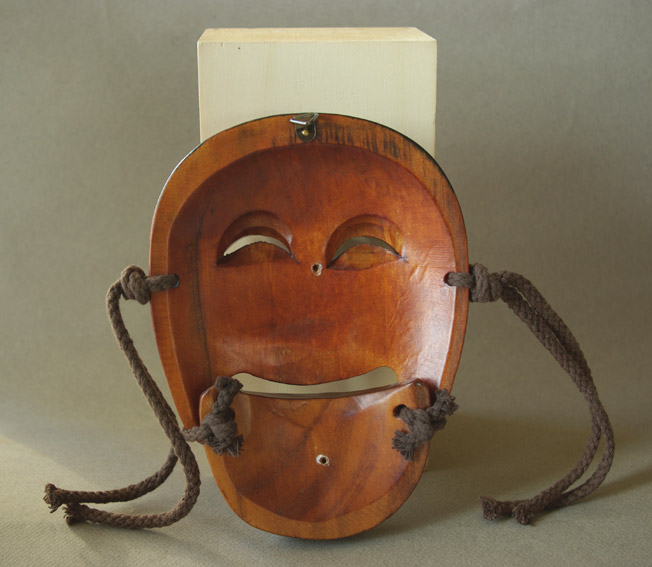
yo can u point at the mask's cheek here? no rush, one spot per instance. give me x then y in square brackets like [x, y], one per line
[279, 321]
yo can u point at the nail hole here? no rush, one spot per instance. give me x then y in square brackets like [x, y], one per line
[323, 460]
[316, 269]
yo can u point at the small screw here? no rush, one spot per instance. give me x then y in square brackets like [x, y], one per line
[305, 126]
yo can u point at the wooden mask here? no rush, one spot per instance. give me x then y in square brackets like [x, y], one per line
[360, 228]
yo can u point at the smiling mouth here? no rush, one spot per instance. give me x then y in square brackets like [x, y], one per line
[382, 377]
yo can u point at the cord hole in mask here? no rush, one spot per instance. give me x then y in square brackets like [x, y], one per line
[398, 409]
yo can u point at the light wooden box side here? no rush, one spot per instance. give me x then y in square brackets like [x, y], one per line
[387, 75]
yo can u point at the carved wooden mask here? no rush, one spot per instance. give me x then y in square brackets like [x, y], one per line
[359, 227]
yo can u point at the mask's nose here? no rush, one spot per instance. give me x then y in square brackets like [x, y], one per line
[316, 269]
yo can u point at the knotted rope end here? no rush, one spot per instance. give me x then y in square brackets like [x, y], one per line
[443, 407]
[134, 284]
[219, 430]
[422, 423]
[483, 286]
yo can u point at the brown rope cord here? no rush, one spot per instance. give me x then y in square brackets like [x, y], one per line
[133, 284]
[219, 431]
[530, 306]
[56, 497]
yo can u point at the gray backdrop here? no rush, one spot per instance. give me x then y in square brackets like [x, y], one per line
[544, 130]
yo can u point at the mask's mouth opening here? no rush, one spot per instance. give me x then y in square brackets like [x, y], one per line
[381, 377]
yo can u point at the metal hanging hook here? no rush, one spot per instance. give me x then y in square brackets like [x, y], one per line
[305, 126]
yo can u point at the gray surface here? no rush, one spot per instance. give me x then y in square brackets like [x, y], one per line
[544, 130]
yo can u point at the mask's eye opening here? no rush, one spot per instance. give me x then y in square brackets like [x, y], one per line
[358, 240]
[253, 239]
[364, 242]
[256, 248]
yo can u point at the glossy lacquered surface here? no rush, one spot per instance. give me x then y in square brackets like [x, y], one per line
[320, 468]
[263, 311]
[360, 227]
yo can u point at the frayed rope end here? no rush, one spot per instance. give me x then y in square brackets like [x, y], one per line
[493, 509]
[404, 443]
[52, 497]
[73, 513]
[522, 514]
[234, 448]
[490, 508]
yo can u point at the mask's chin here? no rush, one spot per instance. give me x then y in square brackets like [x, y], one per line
[319, 465]
[381, 377]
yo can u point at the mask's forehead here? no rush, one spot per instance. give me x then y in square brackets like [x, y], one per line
[314, 189]
[266, 312]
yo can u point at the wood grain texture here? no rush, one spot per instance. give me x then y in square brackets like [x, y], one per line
[364, 72]
[270, 315]
[365, 226]
[319, 468]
